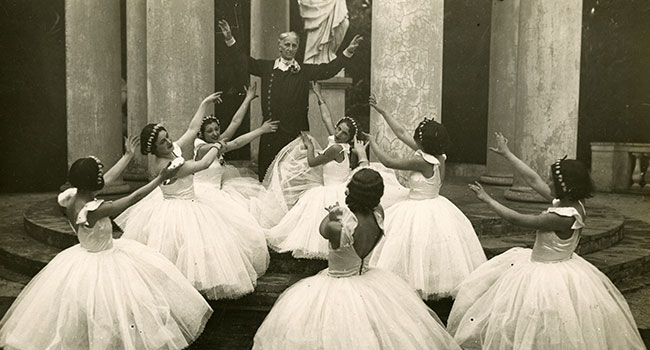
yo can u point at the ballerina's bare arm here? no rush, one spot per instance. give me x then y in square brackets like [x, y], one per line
[186, 141]
[330, 227]
[529, 175]
[543, 221]
[193, 166]
[332, 153]
[115, 207]
[267, 127]
[235, 123]
[324, 110]
[130, 144]
[408, 163]
[399, 129]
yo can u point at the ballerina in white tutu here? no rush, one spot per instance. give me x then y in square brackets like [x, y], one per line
[219, 175]
[547, 297]
[348, 305]
[297, 231]
[104, 293]
[429, 241]
[219, 248]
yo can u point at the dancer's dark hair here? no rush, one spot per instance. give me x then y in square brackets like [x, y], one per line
[364, 190]
[432, 136]
[86, 174]
[571, 179]
[148, 138]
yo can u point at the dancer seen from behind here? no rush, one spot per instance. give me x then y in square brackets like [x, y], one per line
[105, 293]
[429, 241]
[220, 249]
[348, 305]
[547, 297]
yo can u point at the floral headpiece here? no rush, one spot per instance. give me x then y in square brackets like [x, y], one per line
[421, 127]
[351, 121]
[100, 166]
[557, 170]
[152, 137]
[210, 119]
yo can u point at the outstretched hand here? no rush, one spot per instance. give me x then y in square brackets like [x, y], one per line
[225, 29]
[502, 145]
[354, 44]
[131, 144]
[315, 87]
[251, 92]
[335, 212]
[270, 126]
[214, 98]
[360, 146]
[372, 101]
[479, 191]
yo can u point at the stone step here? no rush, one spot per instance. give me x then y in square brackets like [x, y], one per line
[285, 263]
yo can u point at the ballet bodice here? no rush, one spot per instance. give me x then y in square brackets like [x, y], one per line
[335, 172]
[551, 248]
[344, 261]
[97, 238]
[422, 187]
[214, 173]
[181, 188]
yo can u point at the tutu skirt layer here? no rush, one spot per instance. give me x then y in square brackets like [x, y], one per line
[512, 302]
[298, 231]
[215, 243]
[376, 310]
[429, 243]
[127, 297]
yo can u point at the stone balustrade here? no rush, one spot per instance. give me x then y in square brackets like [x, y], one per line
[620, 166]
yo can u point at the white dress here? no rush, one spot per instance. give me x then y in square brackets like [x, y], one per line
[349, 306]
[547, 297]
[215, 243]
[223, 177]
[429, 241]
[105, 294]
[298, 230]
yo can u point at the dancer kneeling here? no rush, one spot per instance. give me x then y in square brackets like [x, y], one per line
[220, 249]
[104, 293]
[349, 306]
[547, 297]
[429, 241]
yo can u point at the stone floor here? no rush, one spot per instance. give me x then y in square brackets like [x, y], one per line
[234, 328]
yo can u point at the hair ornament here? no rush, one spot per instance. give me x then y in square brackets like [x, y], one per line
[210, 118]
[557, 166]
[100, 166]
[151, 139]
[424, 122]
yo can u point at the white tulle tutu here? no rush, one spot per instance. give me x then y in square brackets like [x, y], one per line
[298, 231]
[376, 310]
[126, 297]
[216, 244]
[429, 243]
[512, 302]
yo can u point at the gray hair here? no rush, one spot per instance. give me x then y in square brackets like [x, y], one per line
[285, 35]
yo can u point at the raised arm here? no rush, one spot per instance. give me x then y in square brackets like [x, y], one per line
[131, 144]
[235, 123]
[529, 175]
[333, 153]
[399, 129]
[254, 65]
[330, 227]
[115, 207]
[267, 127]
[544, 221]
[194, 166]
[186, 141]
[324, 110]
[400, 163]
[327, 70]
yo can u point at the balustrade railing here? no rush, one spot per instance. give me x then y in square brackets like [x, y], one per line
[620, 166]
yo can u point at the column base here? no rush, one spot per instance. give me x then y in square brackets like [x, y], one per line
[496, 180]
[118, 188]
[523, 194]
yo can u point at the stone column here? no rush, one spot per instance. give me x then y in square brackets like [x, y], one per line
[93, 81]
[136, 74]
[180, 60]
[548, 79]
[269, 18]
[504, 41]
[406, 58]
